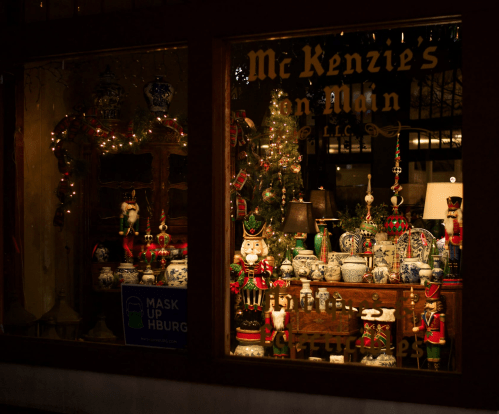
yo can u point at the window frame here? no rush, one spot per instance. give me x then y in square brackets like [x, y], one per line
[206, 359]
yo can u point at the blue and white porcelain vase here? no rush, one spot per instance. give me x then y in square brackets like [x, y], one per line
[306, 297]
[409, 270]
[437, 273]
[176, 273]
[304, 259]
[148, 277]
[333, 271]
[108, 96]
[159, 95]
[425, 273]
[286, 269]
[381, 274]
[101, 253]
[323, 296]
[128, 273]
[105, 278]
[353, 269]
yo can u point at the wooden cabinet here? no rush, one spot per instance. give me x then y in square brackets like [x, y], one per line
[385, 296]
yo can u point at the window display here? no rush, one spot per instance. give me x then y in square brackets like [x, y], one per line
[358, 272]
[102, 134]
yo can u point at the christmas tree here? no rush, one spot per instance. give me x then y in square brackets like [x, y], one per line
[274, 177]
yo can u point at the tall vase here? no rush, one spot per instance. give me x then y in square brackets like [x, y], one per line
[318, 240]
[323, 296]
[306, 297]
[437, 272]
[177, 273]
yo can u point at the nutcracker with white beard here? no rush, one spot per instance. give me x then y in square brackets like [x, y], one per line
[278, 318]
[129, 224]
[251, 268]
[454, 232]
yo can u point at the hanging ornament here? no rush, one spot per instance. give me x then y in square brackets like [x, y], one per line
[279, 175]
[283, 162]
[266, 166]
[242, 155]
[269, 230]
[295, 168]
[269, 195]
[241, 208]
[240, 180]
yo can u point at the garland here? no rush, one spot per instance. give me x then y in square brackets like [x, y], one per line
[106, 140]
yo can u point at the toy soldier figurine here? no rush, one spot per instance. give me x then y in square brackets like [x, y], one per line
[433, 322]
[251, 269]
[454, 233]
[129, 224]
[278, 318]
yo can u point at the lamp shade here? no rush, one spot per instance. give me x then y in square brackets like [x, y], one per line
[300, 218]
[436, 199]
[323, 204]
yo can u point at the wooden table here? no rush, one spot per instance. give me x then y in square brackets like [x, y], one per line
[392, 296]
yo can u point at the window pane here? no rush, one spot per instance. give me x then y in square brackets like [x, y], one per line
[340, 118]
[106, 150]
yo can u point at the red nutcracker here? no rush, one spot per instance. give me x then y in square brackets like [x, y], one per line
[454, 232]
[129, 224]
[433, 323]
[278, 319]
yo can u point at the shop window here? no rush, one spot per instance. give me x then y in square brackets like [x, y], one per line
[104, 200]
[331, 118]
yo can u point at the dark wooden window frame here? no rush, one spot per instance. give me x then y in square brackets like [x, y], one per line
[206, 360]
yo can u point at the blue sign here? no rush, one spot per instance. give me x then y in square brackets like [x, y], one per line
[154, 316]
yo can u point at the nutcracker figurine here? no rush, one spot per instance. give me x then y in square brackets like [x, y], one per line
[129, 224]
[433, 322]
[454, 233]
[251, 269]
[278, 318]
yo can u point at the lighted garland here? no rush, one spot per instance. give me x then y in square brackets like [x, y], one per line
[106, 140]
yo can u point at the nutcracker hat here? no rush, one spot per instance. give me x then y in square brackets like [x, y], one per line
[432, 290]
[129, 197]
[253, 226]
[454, 203]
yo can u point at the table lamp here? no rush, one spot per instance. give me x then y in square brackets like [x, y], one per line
[436, 201]
[300, 220]
[324, 209]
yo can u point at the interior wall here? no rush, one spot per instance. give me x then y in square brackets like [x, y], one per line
[77, 392]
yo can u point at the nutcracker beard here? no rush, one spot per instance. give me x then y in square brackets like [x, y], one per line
[278, 319]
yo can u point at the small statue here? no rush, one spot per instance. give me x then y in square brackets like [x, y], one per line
[454, 232]
[278, 317]
[251, 268]
[129, 224]
[433, 323]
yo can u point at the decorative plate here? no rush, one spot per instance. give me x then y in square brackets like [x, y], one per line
[418, 239]
[345, 242]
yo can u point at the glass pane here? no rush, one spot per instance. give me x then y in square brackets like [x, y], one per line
[106, 149]
[333, 126]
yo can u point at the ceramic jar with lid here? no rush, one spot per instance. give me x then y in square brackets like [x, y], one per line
[176, 273]
[286, 269]
[353, 269]
[106, 278]
[148, 277]
[333, 271]
[305, 258]
[425, 273]
[409, 270]
[128, 273]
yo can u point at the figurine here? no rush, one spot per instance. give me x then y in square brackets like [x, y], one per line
[278, 317]
[454, 232]
[129, 224]
[148, 256]
[433, 323]
[251, 268]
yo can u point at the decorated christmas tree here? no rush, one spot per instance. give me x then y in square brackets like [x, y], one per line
[270, 180]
